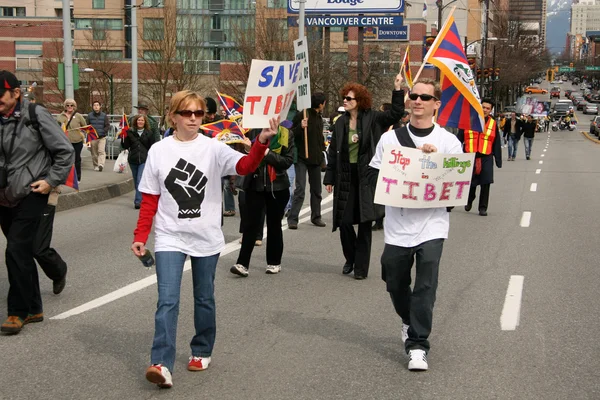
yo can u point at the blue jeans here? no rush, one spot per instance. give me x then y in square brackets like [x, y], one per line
[228, 200]
[527, 142]
[512, 146]
[292, 177]
[137, 170]
[169, 269]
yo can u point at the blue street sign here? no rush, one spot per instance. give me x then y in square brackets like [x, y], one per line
[347, 21]
[392, 33]
[347, 6]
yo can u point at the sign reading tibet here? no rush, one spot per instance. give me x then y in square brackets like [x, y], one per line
[347, 6]
[409, 178]
[270, 90]
[303, 99]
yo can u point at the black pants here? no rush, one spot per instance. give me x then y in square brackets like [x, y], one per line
[484, 195]
[78, 147]
[19, 225]
[415, 307]
[257, 203]
[357, 248]
[49, 260]
[314, 180]
[242, 208]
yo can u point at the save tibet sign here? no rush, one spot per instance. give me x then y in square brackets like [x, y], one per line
[409, 178]
[347, 6]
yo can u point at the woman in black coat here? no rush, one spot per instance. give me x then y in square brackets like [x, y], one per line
[138, 141]
[267, 190]
[353, 143]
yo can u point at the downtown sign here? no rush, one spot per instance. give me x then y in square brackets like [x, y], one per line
[347, 6]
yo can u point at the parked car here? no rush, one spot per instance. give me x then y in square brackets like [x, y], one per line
[591, 109]
[535, 90]
[581, 105]
[555, 92]
[595, 126]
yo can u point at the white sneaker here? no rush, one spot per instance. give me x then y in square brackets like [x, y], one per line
[239, 269]
[273, 269]
[198, 363]
[404, 332]
[418, 360]
[96, 169]
[160, 375]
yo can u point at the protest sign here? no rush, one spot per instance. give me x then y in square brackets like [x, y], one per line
[270, 90]
[303, 91]
[409, 178]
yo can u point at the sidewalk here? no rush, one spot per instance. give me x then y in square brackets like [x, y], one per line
[95, 186]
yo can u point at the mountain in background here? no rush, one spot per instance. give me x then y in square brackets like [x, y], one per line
[558, 24]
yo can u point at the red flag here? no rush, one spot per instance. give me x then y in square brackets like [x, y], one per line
[232, 107]
[225, 130]
[123, 127]
[72, 177]
[90, 133]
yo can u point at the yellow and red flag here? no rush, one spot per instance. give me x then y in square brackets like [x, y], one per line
[123, 127]
[406, 68]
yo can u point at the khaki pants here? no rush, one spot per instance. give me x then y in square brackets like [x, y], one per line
[99, 152]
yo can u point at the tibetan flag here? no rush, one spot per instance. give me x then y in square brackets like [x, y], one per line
[233, 108]
[406, 68]
[225, 131]
[461, 105]
[90, 133]
[72, 177]
[123, 127]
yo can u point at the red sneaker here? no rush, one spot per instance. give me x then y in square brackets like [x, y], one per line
[198, 363]
[160, 375]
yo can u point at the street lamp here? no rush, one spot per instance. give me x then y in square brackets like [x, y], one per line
[110, 81]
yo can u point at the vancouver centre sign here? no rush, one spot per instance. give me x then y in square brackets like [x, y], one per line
[347, 6]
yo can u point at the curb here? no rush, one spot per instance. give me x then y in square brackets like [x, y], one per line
[591, 138]
[79, 199]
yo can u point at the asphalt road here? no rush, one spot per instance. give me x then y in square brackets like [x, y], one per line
[312, 333]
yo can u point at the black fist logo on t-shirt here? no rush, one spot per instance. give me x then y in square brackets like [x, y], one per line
[187, 184]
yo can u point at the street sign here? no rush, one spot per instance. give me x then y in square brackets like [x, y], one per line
[592, 68]
[566, 69]
[347, 21]
[347, 6]
[386, 33]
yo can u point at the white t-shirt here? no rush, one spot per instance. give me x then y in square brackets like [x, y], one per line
[409, 227]
[187, 176]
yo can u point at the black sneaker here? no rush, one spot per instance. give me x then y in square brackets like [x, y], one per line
[483, 213]
[292, 225]
[347, 268]
[59, 285]
[318, 222]
[468, 207]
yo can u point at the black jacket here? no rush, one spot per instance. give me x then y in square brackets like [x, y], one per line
[138, 146]
[529, 129]
[259, 180]
[314, 132]
[372, 124]
[518, 128]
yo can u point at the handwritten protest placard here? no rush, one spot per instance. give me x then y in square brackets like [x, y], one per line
[303, 94]
[270, 91]
[409, 178]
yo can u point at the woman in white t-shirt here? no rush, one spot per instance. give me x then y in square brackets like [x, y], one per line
[181, 191]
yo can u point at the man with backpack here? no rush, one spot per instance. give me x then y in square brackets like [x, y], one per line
[35, 156]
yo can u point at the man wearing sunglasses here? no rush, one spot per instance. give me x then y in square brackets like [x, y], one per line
[35, 156]
[420, 232]
[487, 146]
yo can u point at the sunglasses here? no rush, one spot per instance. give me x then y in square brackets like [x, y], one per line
[348, 98]
[424, 97]
[188, 113]
[70, 105]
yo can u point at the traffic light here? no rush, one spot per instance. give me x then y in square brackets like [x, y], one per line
[472, 62]
[486, 73]
[570, 65]
[497, 74]
[478, 73]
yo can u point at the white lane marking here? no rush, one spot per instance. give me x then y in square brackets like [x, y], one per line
[545, 150]
[538, 171]
[533, 187]
[542, 155]
[511, 312]
[151, 280]
[526, 219]
[541, 162]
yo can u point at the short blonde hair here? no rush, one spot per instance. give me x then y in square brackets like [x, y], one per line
[437, 90]
[181, 99]
[70, 101]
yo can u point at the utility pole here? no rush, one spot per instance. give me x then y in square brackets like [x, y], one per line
[68, 50]
[484, 44]
[301, 17]
[134, 58]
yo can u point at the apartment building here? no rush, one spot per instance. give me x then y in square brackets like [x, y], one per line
[532, 15]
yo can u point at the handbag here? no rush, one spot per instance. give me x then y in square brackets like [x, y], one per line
[122, 165]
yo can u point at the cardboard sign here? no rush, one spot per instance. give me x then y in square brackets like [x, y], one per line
[409, 178]
[303, 89]
[270, 91]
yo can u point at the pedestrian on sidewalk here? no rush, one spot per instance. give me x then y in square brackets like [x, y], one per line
[99, 120]
[73, 121]
[36, 156]
[143, 109]
[181, 192]
[308, 164]
[47, 257]
[266, 190]
[138, 140]
[486, 146]
[355, 136]
[415, 232]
